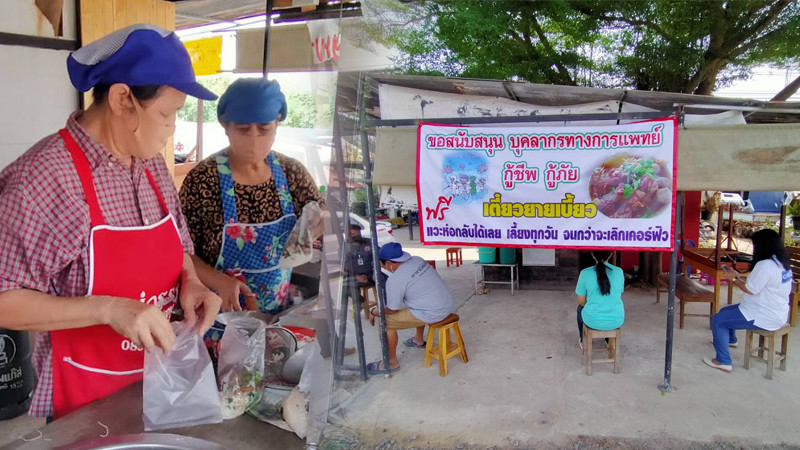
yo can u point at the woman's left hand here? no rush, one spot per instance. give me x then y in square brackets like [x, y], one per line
[199, 304]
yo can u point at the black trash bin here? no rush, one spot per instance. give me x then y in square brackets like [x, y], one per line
[16, 373]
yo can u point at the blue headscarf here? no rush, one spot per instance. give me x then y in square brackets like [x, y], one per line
[252, 100]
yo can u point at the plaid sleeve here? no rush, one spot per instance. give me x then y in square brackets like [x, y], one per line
[32, 248]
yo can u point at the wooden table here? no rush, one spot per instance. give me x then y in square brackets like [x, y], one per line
[704, 259]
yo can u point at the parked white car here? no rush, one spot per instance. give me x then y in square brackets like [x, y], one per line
[383, 228]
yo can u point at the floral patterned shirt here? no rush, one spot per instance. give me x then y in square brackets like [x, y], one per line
[201, 200]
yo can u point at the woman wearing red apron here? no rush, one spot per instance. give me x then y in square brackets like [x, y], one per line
[93, 246]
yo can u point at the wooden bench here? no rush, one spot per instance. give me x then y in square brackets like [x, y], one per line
[687, 291]
[794, 300]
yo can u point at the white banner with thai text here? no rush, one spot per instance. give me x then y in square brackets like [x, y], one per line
[560, 187]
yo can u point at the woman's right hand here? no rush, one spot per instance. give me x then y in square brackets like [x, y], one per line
[229, 289]
[143, 324]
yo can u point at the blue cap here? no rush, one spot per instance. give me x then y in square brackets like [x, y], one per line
[252, 100]
[393, 252]
[138, 55]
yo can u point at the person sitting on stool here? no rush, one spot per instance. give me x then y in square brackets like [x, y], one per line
[599, 293]
[358, 262]
[415, 296]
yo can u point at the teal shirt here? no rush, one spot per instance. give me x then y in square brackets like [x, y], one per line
[602, 312]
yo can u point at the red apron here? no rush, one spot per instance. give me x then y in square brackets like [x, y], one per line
[142, 263]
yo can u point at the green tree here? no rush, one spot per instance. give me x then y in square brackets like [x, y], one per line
[217, 84]
[305, 110]
[685, 46]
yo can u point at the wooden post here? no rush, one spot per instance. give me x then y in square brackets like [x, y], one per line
[717, 255]
[730, 225]
[782, 225]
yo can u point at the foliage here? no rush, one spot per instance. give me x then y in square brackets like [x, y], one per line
[793, 209]
[305, 109]
[665, 45]
[217, 84]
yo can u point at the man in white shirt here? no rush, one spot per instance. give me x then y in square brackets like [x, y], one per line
[415, 296]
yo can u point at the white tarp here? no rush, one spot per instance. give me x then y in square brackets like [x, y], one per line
[715, 151]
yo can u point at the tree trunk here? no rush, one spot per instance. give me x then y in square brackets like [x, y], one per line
[787, 92]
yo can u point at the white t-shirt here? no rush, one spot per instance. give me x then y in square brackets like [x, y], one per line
[771, 286]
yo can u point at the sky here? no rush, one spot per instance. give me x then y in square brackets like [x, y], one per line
[764, 83]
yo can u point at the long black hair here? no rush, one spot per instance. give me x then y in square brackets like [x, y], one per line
[602, 277]
[766, 244]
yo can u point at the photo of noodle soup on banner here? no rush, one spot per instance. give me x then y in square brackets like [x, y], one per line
[631, 187]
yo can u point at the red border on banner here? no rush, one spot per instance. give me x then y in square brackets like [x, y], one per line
[673, 218]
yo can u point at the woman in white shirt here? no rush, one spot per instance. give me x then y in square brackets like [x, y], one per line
[765, 304]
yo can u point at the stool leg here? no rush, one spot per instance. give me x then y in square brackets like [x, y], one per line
[761, 346]
[784, 351]
[681, 314]
[770, 355]
[616, 352]
[429, 347]
[587, 344]
[365, 302]
[443, 352]
[748, 348]
[793, 304]
[584, 346]
[460, 341]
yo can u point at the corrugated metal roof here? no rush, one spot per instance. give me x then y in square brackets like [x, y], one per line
[553, 95]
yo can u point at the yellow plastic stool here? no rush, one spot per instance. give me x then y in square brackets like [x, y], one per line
[440, 352]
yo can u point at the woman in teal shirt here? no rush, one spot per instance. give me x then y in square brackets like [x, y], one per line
[599, 292]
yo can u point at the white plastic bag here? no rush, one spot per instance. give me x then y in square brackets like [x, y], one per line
[298, 249]
[179, 388]
[241, 365]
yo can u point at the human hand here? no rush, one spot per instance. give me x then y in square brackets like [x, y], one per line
[143, 324]
[229, 289]
[362, 278]
[198, 304]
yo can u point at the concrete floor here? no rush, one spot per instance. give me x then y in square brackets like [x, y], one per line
[525, 383]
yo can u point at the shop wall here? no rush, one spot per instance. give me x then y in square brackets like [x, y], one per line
[36, 95]
[691, 224]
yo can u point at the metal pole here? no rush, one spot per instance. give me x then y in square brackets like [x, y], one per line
[267, 25]
[199, 146]
[363, 93]
[673, 275]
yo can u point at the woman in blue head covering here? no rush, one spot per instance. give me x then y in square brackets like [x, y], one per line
[242, 203]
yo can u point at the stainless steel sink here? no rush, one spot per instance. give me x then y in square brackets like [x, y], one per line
[144, 441]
